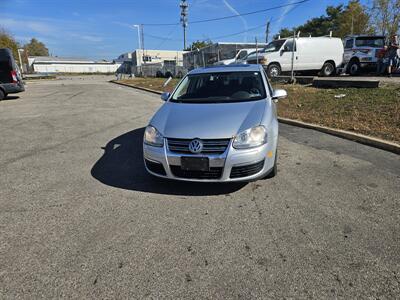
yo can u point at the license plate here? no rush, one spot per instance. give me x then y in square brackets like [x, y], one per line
[195, 163]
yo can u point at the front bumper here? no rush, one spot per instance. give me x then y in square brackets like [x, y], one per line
[260, 159]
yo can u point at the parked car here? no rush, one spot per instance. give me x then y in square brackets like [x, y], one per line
[243, 60]
[10, 75]
[361, 52]
[218, 125]
[238, 57]
[322, 54]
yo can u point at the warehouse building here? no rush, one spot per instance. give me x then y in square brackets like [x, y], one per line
[160, 63]
[52, 64]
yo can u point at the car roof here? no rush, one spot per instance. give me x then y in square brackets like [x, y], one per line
[227, 68]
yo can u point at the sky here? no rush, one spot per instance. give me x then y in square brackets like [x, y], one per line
[103, 29]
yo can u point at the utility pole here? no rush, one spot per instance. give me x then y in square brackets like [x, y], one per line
[256, 50]
[352, 24]
[267, 32]
[292, 63]
[142, 38]
[138, 63]
[184, 12]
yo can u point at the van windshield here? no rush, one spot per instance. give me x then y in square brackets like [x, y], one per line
[274, 46]
[370, 41]
[220, 87]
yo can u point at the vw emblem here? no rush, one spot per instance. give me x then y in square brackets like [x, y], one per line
[196, 146]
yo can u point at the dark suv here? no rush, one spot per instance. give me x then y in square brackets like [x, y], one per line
[10, 76]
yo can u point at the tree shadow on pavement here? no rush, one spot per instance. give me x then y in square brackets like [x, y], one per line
[122, 166]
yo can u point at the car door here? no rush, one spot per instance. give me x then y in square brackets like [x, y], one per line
[348, 50]
[285, 59]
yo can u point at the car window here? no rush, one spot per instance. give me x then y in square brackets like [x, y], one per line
[251, 53]
[376, 42]
[220, 87]
[349, 44]
[274, 46]
[289, 46]
[242, 54]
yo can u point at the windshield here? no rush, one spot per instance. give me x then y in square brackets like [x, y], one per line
[220, 87]
[376, 42]
[274, 46]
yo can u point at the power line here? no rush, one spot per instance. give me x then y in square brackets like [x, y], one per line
[211, 38]
[227, 35]
[231, 16]
[250, 13]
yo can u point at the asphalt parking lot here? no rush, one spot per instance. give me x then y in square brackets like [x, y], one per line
[80, 218]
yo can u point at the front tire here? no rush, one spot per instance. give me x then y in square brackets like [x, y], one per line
[2, 95]
[353, 68]
[274, 70]
[328, 69]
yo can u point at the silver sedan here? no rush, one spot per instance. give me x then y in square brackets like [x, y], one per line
[218, 125]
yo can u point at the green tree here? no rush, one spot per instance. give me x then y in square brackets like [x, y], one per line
[36, 48]
[198, 45]
[318, 26]
[8, 41]
[354, 20]
[283, 33]
[386, 16]
[323, 25]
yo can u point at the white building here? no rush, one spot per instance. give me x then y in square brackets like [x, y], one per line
[49, 64]
[140, 57]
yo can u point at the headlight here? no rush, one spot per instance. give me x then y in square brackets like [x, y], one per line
[152, 137]
[251, 138]
[262, 61]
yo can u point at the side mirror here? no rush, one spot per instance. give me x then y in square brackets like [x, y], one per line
[278, 94]
[165, 96]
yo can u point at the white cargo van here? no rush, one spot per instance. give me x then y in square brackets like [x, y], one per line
[323, 54]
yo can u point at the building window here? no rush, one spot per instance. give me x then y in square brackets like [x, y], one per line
[146, 58]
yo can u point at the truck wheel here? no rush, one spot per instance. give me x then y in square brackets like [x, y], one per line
[273, 70]
[2, 95]
[353, 68]
[328, 69]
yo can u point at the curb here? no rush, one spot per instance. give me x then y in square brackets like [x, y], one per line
[355, 137]
[137, 87]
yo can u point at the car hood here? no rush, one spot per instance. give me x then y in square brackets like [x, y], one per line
[207, 120]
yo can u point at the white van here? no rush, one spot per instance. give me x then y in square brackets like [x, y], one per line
[323, 54]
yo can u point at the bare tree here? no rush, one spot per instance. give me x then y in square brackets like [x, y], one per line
[386, 15]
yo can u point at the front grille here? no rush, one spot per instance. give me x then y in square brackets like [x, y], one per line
[247, 170]
[155, 167]
[217, 146]
[213, 173]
